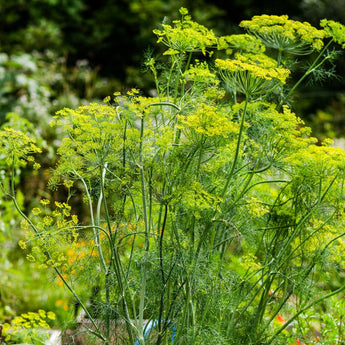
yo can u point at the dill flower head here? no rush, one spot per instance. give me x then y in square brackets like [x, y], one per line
[241, 43]
[334, 30]
[200, 73]
[185, 36]
[282, 33]
[251, 73]
[209, 121]
[17, 148]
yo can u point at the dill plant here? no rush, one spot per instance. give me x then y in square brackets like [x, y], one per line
[211, 210]
[28, 328]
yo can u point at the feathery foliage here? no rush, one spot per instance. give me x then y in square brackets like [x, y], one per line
[211, 209]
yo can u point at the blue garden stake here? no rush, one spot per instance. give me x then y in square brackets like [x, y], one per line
[150, 326]
[173, 333]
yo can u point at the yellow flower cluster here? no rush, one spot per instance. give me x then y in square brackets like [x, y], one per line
[241, 43]
[280, 32]
[17, 148]
[138, 105]
[256, 208]
[282, 130]
[334, 30]
[185, 36]
[251, 74]
[91, 140]
[54, 229]
[197, 200]
[200, 73]
[25, 326]
[250, 263]
[321, 234]
[259, 66]
[318, 161]
[209, 121]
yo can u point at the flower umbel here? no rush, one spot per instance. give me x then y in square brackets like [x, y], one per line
[334, 30]
[251, 74]
[200, 73]
[280, 32]
[17, 147]
[208, 121]
[241, 43]
[186, 36]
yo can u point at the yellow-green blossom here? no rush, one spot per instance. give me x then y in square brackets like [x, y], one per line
[200, 73]
[280, 32]
[36, 211]
[256, 208]
[318, 161]
[251, 74]
[106, 99]
[133, 92]
[250, 262]
[186, 36]
[241, 43]
[68, 184]
[16, 147]
[197, 200]
[209, 121]
[24, 224]
[91, 140]
[321, 234]
[26, 327]
[53, 233]
[334, 30]
[44, 202]
[22, 244]
[47, 220]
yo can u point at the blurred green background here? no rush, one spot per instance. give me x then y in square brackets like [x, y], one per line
[74, 49]
[88, 49]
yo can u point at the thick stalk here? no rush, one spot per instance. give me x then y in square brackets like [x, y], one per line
[238, 145]
[114, 261]
[178, 79]
[107, 282]
[95, 230]
[164, 281]
[147, 239]
[173, 59]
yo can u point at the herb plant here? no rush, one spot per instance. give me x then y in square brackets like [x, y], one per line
[211, 210]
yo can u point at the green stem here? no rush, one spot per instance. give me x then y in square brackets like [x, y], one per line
[164, 103]
[173, 59]
[188, 61]
[314, 65]
[279, 57]
[238, 145]
[178, 80]
[114, 261]
[164, 280]
[97, 331]
[147, 240]
[95, 230]
[310, 305]
[154, 71]
[107, 282]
